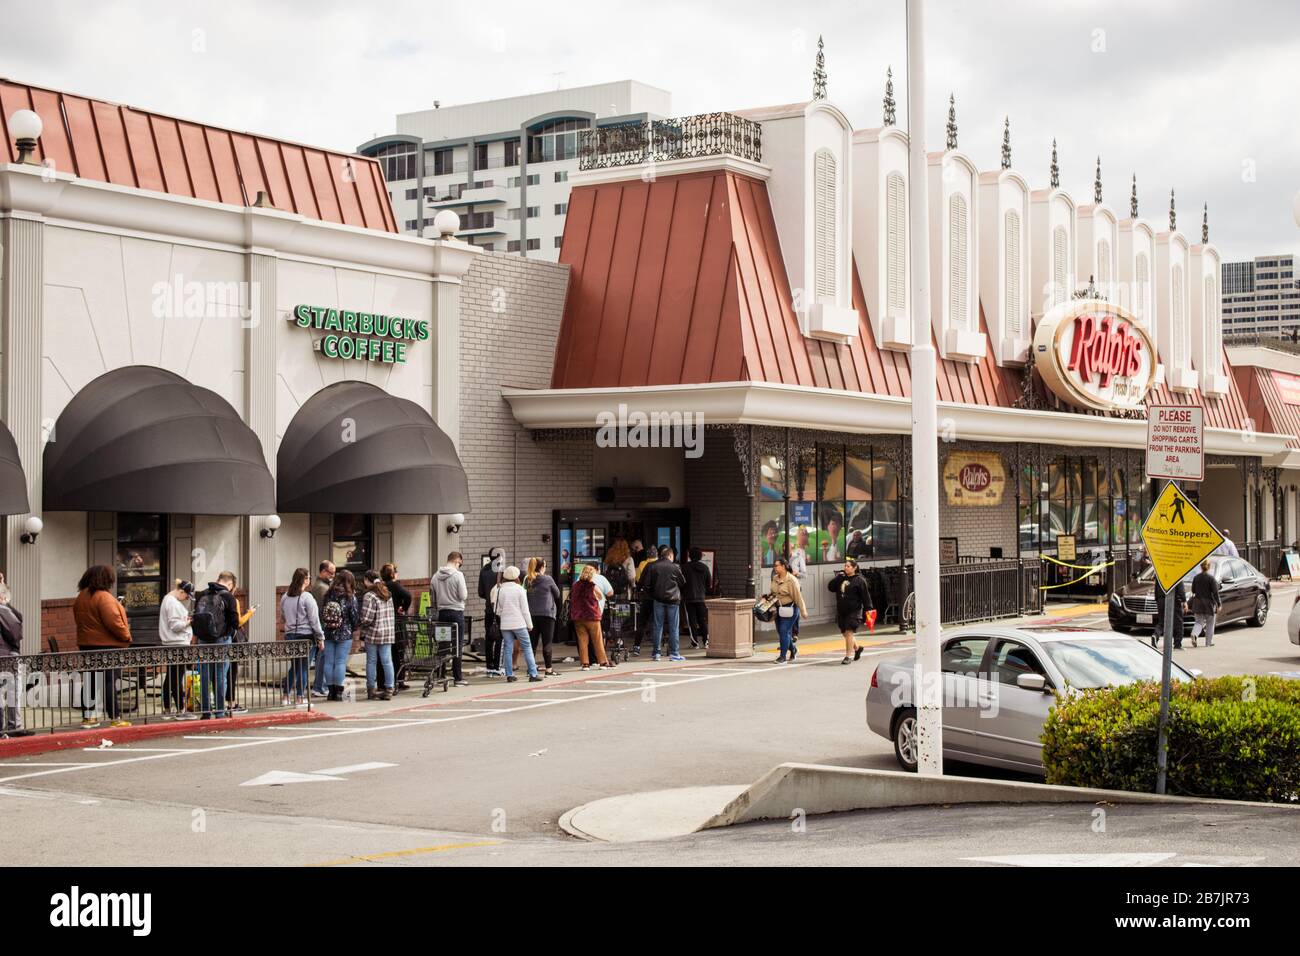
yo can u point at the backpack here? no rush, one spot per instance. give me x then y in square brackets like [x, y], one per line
[209, 621]
[331, 614]
[616, 575]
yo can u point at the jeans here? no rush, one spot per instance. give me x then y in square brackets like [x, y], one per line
[318, 662]
[214, 676]
[1204, 623]
[784, 629]
[448, 615]
[295, 682]
[12, 686]
[379, 656]
[508, 639]
[669, 611]
[336, 661]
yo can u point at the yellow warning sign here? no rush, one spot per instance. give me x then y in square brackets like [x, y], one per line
[1178, 537]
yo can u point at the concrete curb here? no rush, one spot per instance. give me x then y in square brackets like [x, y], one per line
[46, 742]
[651, 815]
[818, 789]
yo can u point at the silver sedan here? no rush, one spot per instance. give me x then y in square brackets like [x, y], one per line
[998, 685]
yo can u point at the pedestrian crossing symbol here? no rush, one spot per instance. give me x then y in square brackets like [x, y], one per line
[1177, 536]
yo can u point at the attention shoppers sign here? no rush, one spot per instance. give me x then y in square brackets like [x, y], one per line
[361, 335]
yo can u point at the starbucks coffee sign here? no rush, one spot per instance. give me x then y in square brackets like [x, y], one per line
[366, 336]
[1096, 355]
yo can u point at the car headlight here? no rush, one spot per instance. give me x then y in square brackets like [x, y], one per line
[1115, 600]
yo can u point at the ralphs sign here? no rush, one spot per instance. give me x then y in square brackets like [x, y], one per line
[1096, 355]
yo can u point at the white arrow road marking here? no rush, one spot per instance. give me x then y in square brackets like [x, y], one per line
[1075, 859]
[281, 777]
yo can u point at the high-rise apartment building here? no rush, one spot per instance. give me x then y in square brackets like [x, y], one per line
[1261, 297]
[503, 165]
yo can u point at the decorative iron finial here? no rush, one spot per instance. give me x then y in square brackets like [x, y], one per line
[1055, 170]
[1006, 143]
[889, 96]
[1133, 199]
[1173, 217]
[1096, 183]
[952, 122]
[1205, 224]
[819, 72]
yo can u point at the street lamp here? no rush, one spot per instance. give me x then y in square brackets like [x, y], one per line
[928, 685]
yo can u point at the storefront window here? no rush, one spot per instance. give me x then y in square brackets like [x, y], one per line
[857, 478]
[771, 534]
[139, 563]
[772, 478]
[351, 542]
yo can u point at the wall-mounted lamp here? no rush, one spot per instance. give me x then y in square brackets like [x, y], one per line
[31, 529]
[26, 127]
[272, 526]
[454, 523]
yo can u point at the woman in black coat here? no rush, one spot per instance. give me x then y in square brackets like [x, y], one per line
[852, 602]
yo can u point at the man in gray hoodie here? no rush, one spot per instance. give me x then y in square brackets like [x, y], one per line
[449, 595]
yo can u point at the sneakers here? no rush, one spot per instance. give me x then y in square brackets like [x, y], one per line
[284, 702]
[793, 651]
[89, 724]
[319, 694]
[654, 658]
[462, 683]
[857, 652]
[120, 723]
[385, 694]
[187, 715]
[534, 679]
[511, 679]
[781, 660]
[238, 709]
[676, 657]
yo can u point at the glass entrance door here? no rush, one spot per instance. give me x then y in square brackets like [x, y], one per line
[141, 565]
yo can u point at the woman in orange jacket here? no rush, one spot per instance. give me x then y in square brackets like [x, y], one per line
[101, 626]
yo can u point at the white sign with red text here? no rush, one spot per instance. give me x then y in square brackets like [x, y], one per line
[1095, 355]
[1176, 442]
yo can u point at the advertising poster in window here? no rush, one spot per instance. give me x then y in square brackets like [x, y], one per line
[830, 541]
[771, 533]
[974, 478]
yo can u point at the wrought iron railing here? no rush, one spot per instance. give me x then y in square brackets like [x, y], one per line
[1265, 556]
[661, 140]
[64, 691]
[983, 590]
[1277, 342]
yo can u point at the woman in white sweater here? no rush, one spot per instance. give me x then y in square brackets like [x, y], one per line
[510, 604]
[174, 631]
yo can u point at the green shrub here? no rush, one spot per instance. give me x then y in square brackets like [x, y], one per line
[1232, 737]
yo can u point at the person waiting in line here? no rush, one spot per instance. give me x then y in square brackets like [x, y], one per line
[698, 581]
[665, 582]
[789, 607]
[240, 637]
[620, 571]
[510, 604]
[324, 579]
[174, 630]
[101, 626]
[489, 576]
[338, 618]
[401, 612]
[644, 599]
[12, 684]
[543, 602]
[449, 595]
[215, 621]
[585, 612]
[301, 619]
[376, 626]
[638, 553]
[852, 602]
[1205, 603]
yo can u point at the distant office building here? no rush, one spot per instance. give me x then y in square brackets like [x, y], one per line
[1261, 297]
[503, 165]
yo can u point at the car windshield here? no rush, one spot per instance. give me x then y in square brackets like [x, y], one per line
[1148, 574]
[1107, 662]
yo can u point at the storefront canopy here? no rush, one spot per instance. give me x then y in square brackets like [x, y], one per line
[353, 447]
[144, 439]
[13, 480]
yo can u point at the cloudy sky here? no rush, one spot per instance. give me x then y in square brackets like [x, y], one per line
[1192, 95]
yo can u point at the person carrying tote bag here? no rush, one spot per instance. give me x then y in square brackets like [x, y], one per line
[789, 607]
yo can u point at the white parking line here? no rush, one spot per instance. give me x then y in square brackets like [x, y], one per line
[351, 731]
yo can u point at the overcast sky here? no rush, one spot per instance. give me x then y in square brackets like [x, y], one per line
[1193, 95]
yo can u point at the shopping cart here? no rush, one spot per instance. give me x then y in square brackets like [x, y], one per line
[621, 618]
[430, 647]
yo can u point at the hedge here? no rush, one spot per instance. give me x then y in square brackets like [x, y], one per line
[1236, 738]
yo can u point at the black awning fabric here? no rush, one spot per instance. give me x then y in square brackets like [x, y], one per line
[144, 439]
[352, 447]
[13, 480]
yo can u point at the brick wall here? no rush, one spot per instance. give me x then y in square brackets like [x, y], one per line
[979, 527]
[58, 625]
[721, 512]
[511, 310]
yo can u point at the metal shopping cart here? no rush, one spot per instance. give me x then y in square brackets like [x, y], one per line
[620, 623]
[430, 647]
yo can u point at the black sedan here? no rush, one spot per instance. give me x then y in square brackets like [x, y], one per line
[1243, 591]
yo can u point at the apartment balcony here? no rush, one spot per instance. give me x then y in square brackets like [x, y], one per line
[483, 196]
[665, 140]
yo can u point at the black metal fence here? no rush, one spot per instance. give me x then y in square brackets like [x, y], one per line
[1266, 556]
[661, 140]
[980, 590]
[65, 691]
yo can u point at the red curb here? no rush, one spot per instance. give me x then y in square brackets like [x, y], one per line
[76, 739]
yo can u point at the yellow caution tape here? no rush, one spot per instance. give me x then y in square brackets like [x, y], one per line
[1090, 570]
[1080, 567]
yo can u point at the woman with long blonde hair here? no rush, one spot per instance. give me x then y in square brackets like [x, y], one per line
[585, 612]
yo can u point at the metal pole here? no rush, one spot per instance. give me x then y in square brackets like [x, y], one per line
[1166, 675]
[925, 435]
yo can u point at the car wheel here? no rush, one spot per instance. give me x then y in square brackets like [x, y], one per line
[906, 739]
[1260, 617]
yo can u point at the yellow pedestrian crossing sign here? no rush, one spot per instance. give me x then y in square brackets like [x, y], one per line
[1178, 537]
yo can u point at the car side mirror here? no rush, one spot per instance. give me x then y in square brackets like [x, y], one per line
[1032, 682]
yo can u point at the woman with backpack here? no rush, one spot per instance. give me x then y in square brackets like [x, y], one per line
[377, 627]
[301, 619]
[543, 602]
[338, 619]
[852, 602]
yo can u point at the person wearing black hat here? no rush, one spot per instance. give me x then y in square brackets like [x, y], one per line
[174, 630]
[489, 576]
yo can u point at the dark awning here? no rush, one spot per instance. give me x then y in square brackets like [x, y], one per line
[142, 438]
[353, 447]
[13, 480]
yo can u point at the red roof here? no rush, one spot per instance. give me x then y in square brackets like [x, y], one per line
[117, 144]
[681, 281]
[1267, 408]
